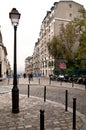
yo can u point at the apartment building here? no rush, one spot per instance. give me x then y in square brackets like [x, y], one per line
[60, 13]
[36, 59]
[4, 63]
[28, 65]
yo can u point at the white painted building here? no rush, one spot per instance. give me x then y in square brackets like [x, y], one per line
[4, 63]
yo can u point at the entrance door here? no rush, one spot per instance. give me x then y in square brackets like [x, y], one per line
[0, 71]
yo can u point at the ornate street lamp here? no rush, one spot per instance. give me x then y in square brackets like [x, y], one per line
[14, 15]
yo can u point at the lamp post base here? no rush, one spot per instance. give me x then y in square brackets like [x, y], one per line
[15, 100]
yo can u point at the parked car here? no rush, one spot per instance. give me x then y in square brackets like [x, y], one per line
[53, 77]
[61, 77]
[81, 80]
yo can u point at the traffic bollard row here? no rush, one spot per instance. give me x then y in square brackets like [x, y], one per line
[66, 109]
[74, 108]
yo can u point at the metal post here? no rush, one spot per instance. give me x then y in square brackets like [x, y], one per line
[41, 119]
[61, 82]
[15, 90]
[66, 100]
[29, 80]
[74, 113]
[39, 80]
[85, 82]
[44, 93]
[49, 81]
[28, 90]
[85, 86]
[8, 80]
[72, 84]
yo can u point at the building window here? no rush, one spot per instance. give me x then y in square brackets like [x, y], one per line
[70, 5]
[70, 15]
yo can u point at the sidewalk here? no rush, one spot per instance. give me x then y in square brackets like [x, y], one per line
[29, 116]
[56, 118]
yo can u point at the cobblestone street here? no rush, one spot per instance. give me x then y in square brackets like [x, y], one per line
[56, 118]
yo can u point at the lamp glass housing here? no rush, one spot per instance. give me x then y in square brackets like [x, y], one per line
[14, 15]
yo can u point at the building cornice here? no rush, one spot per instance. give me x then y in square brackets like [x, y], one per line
[61, 19]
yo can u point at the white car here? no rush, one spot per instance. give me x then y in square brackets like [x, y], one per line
[61, 77]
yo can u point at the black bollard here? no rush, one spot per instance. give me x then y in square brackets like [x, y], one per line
[66, 100]
[18, 80]
[61, 82]
[39, 80]
[41, 119]
[44, 93]
[8, 80]
[49, 81]
[72, 84]
[29, 80]
[85, 83]
[74, 113]
[28, 91]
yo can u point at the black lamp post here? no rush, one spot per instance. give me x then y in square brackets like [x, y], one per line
[14, 15]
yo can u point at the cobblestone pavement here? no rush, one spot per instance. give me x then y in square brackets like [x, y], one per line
[29, 116]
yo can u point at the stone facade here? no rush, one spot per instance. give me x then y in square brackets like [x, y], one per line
[4, 63]
[36, 58]
[28, 65]
[60, 13]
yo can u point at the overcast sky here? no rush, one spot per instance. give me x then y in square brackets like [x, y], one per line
[32, 15]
